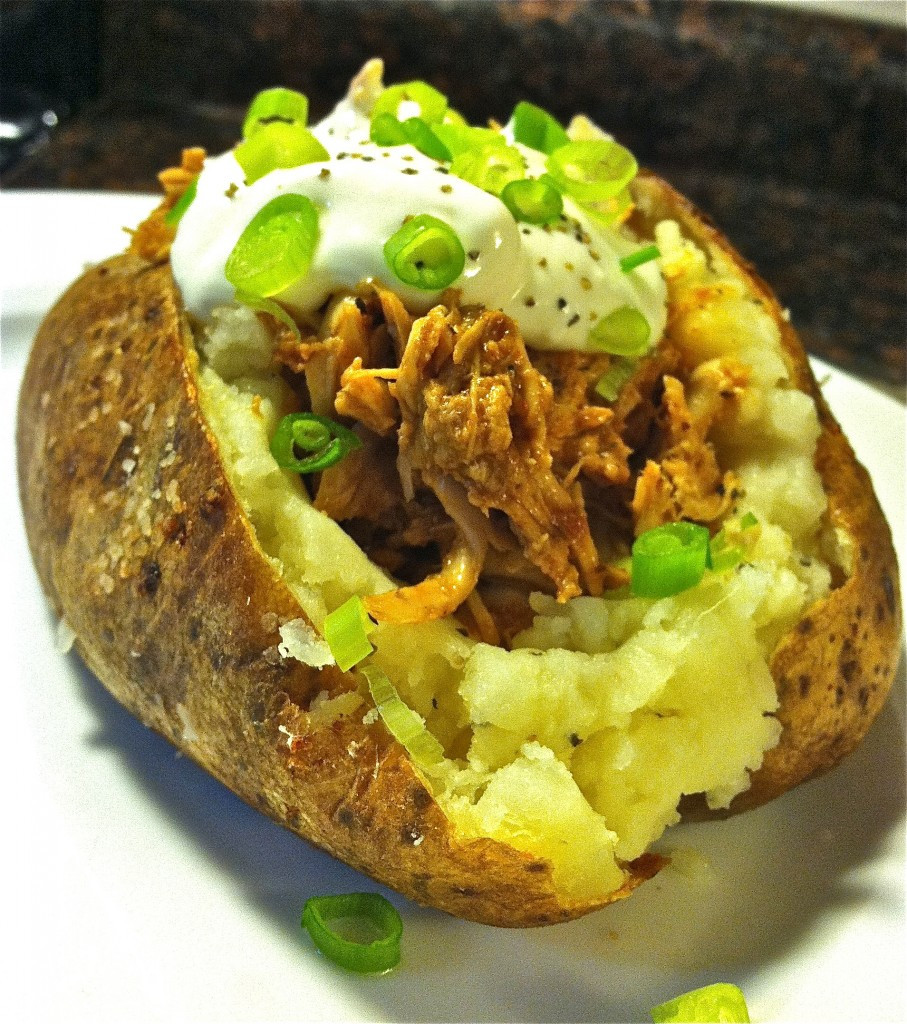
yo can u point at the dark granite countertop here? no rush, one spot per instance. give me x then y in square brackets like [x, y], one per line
[786, 127]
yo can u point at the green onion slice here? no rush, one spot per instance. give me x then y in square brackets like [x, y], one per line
[407, 727]
[425, 253]
[490, 167]
[536, 128]
[370, 914]
[610, 211]
[412, 99]
[613, 379]
[460, 138]
[592, 170]
[533, 200]
[346, 631]
[272, 308]
[669, 559]
[386, 130]
[623, 332]
[175, 214]
[721, 1002]
[275, 146]
[272, 105]
[747, 521]
[638, 258]
[276, 248]
[722, 554]
[322, 441]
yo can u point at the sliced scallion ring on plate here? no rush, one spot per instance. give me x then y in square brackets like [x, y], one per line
[376, 946]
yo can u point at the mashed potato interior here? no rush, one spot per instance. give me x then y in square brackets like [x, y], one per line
[578, 743]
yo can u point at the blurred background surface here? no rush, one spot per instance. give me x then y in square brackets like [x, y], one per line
[784, 121]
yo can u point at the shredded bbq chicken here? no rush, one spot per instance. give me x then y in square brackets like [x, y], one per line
[684, 480]
[474, 410]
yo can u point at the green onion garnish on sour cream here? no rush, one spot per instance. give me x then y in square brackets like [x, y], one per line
[397, 187]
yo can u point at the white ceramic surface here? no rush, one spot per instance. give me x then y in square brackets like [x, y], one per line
[135, 887]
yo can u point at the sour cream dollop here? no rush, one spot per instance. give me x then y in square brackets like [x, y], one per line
[554, 280]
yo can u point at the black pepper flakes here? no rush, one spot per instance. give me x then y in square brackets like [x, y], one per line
[473, 254]
[530, 302]
[561, 303]
[573, 320]
[324, 173]
[409, 170]
[447, 189]
[543, 263]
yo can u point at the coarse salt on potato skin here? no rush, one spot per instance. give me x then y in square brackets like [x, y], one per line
[127, 558]
[128, 508]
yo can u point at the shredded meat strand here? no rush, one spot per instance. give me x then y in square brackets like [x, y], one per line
[153, 237]
[474, 408]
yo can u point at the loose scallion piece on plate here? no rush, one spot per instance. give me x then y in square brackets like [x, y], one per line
[273, 105]
[536, 128]
[721, 1002]
[320, 440]
[376, 947]
[668, 559]
[592, 170]
[175, 214]
[407, 727]
[425, 253]
[622, 332]
[276, 248]
[533, 200]
[277, 146]
[489, 167]
[412, 99]
[638, 258]
[346, 631]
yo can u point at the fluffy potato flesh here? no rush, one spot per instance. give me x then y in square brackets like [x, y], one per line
[577, 745]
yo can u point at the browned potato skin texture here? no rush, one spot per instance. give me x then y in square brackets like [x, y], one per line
[183, 612]
[834, 670]
[173, 605]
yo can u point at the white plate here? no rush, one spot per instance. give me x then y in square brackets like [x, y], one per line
[139, 888]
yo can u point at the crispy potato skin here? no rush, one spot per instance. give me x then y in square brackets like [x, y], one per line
[141, 545]
[834, 670]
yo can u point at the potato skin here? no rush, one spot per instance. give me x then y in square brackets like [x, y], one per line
[142, 547]
[834, 670]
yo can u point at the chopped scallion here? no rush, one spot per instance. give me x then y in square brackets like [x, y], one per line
[270, 307]
[748, 520]
[306, 443]
[490, 167]
[613, 379]
[346, 631]
[425, 253]
[592, 170]
[386, 130]
[533, 200]
[611, 211]
[722, 554]
[459, 138]
[669, 559]
[175, 214]
[402, 722]
[370, 914]
[638, 258]
[623, 332]
[721, 1002]
[276, 248]
[272, 105]
[536, 128]
[276, 146]
[412, 99]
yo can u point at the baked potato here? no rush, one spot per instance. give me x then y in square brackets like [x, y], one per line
[575, 718]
